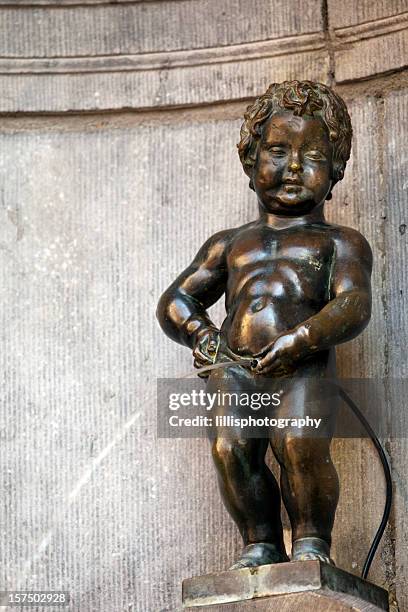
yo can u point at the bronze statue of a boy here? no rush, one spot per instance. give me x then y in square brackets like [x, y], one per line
[295, 287]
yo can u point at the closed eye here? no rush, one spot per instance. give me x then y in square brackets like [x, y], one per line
[276, 150]
[315, 155]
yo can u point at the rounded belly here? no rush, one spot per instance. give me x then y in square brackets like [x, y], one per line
[256, 322]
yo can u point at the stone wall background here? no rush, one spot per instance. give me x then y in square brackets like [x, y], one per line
[117, 120]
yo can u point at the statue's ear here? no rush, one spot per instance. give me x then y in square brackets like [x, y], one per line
[338, 173]
[249, 171]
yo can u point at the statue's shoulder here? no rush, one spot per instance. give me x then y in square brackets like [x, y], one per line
[227, 236]
[349, 239]
[217, 247]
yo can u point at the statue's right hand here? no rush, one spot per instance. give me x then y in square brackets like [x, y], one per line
[205, 350]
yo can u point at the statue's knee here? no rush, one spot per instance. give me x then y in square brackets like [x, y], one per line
[230, 451]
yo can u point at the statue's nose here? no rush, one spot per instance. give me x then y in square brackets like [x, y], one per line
[294, 166]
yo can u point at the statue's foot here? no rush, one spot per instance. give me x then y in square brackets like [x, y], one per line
[311, 549]
[260, 553]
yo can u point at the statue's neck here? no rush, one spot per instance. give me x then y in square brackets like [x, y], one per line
[282, 222]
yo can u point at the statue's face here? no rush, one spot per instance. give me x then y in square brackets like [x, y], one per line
[293, 170]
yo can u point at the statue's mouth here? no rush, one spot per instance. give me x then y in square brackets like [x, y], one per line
[292, 187]
[292, 184]
[286, 188]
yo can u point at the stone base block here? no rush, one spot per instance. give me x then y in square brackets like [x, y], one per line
[284, 587]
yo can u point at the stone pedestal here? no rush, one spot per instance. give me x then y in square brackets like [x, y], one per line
[284, 587]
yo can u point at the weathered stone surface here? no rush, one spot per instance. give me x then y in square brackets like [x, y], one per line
[368, 38]
[90, 215]
[185, 52]
[371, 49]
[90, 222]
[349, 12]
[150, 54]
[396, 185]
[306, 602]
[146, 27]
[328, 585]
[134, 88]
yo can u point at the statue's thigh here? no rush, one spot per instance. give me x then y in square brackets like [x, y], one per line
[231, 443]
[304, 402]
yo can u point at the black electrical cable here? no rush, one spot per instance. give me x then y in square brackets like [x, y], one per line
[388, 481]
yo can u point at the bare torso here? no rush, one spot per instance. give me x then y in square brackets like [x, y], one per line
[276, 280]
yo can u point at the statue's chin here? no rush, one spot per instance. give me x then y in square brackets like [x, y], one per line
[291, 207]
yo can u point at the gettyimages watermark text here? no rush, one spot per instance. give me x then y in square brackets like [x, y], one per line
[191, 408]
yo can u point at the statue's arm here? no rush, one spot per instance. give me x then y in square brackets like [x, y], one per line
[349, 309]
[182, 308]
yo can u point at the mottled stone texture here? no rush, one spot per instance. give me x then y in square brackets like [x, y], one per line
[147, 54]
[313, 585]
[92, 230]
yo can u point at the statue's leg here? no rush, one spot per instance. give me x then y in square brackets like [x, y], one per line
[309, 481]
[248, 488]
[310, 491]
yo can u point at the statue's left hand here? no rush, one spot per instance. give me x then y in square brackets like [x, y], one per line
[281, 355]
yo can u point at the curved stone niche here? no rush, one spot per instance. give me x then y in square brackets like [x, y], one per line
[61, 56]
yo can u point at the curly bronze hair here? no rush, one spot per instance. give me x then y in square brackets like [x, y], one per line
[301, 97]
